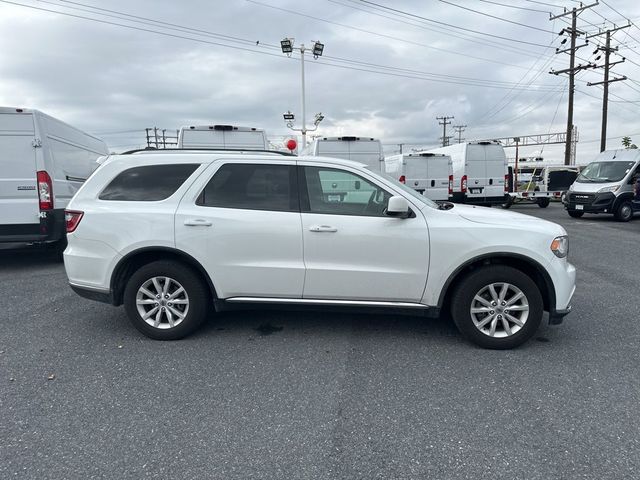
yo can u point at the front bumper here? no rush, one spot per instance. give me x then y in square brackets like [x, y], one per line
[590, 202]
[563, 276]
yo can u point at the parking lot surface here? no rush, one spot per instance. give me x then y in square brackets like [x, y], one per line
[322, 395]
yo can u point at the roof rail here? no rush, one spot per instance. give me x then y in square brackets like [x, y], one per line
[205, 150]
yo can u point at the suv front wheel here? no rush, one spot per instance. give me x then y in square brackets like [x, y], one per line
[165, 300]
[497, 307]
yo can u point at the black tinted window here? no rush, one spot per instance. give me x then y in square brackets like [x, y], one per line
[148, 183]
[252, 186]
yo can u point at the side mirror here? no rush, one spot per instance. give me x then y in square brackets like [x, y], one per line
[397, 207]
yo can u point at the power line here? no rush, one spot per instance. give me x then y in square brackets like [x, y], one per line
[496, 17]
[450, 25]
[379, 34]
[416, 75]
[435, 28]
[514, 6]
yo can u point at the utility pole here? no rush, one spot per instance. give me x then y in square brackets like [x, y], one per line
[607, 66]
[444, 123]
[459, 129]
[574, 32]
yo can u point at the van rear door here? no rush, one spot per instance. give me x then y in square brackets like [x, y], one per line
[496, 169]
[416, 172]
[438, 177]
[19, 207]
[476, 171]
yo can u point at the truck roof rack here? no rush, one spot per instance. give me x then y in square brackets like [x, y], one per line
[205, 150]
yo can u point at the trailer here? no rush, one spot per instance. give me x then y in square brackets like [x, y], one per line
[544, 183]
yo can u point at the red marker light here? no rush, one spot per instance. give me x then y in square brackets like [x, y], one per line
[402, 179]
[291, 144]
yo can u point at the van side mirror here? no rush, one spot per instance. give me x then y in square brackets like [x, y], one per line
[397, 206]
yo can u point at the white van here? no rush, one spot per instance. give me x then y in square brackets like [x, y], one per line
[43, 163]
[427, 173]
[359, 149]
[222, 137]
[480, 172]
[606, 185]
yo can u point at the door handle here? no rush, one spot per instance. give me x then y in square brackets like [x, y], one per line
[323, 228]
[197, 222]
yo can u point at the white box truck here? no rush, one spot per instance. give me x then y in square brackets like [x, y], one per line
[43, 163]
[480, 172]
[428, 173]
[365, 150]
[224, 137]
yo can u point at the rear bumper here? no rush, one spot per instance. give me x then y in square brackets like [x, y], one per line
[50, 229]
[96, 294]
[496, 200]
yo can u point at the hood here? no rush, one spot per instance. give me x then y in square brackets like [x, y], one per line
[495, 216]
[591, 187]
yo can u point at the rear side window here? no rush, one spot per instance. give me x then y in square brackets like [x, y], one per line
[253, 187]
[149, 183]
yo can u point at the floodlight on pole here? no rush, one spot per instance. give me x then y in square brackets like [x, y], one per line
[317, 50]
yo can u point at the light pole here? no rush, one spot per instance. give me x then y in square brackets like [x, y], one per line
[287, 48]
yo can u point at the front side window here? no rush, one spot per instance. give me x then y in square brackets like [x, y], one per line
[338, 192]
[149, 183]
[253, 187]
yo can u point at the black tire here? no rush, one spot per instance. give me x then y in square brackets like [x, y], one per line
[543, 202]
[463, 300]
[624, 211]
[575, 213]
[197, 297]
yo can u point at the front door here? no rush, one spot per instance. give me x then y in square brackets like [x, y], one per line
[352, 250]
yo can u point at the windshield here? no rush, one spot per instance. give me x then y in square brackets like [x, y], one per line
[408, 190]
[603, 172]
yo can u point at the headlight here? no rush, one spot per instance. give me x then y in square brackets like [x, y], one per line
[609, 189]
[560, 246]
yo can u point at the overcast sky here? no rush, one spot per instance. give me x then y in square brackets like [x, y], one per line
[388, 69]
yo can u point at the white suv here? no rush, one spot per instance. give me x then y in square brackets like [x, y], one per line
[170, 234]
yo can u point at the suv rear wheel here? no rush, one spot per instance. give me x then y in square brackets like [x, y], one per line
[497, 307]
[165, 300]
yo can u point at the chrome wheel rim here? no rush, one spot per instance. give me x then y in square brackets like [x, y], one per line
[162, 302]
[499, 310]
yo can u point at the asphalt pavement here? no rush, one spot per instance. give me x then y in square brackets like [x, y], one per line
[322, 395]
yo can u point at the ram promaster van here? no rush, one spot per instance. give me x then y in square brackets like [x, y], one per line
[426, 173]
[43, 163]
[359, 149]
[606, 186]
[222, 136]
[479, 172]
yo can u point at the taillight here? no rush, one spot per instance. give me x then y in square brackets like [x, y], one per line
[506, 184]
[72, 219]
[463, 184]
[45, 191]
[402, 179]
[450, 184]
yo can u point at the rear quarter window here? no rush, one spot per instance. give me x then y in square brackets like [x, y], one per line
[148, 183]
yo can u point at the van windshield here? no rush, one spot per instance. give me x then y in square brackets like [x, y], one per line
[604, 172]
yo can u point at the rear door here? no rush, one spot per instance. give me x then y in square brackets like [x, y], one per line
[250, 140]
[241, 221]
[18, 193]
[496, 169]
[476, 171]
[439, 169]
[416, 172]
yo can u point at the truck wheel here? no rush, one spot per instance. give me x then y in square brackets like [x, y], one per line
[624, 212]
[575, 213]
[543, 202]
[508, 203]
[165, 300]
[497, 307]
